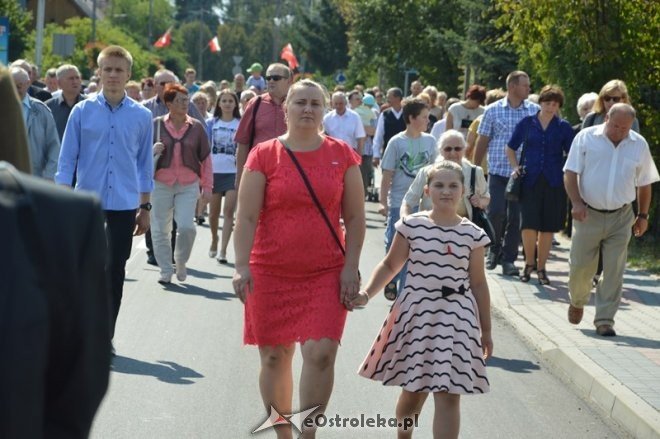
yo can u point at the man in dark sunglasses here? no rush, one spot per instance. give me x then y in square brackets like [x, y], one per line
[264, 116]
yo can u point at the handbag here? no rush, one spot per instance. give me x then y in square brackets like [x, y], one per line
[479, 217]
[316, 201]
[514, 185]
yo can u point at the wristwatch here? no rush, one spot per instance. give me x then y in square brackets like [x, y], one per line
[146, 206]
[644, 216]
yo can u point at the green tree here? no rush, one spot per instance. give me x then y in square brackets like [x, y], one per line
[19, 25]
[322, 37]
[84, 55]
[582, 45]
[132, 16]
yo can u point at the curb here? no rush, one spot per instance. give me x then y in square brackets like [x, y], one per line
[595, 384]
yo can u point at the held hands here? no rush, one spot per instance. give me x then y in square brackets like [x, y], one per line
[349, 281]
[361, 299]
[242, 283]
[487, 345]
[158, 148]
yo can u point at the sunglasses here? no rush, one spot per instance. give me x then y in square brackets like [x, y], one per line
[616, 99]
[274, 77]
[452, 148]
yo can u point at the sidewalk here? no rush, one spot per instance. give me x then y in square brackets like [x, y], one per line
[620, 375]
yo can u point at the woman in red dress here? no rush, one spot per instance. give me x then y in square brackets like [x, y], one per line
[291, 273]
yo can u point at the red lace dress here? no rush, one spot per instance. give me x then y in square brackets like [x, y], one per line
[295, 261]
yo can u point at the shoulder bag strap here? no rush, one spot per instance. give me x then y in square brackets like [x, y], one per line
[254, 121]
[473, 172]
[313, 195]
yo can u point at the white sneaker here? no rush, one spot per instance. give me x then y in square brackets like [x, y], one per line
[181, 272]
[165, 278]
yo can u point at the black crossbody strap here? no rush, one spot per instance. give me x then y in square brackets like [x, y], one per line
[254, 122]
[473, 171]
[313, 195]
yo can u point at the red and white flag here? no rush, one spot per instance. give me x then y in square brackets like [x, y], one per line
[165, 40]
[214, 45]
[288, 55]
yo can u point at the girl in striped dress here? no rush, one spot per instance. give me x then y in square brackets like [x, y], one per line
[437, 334]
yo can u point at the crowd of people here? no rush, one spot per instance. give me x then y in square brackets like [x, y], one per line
[289, 166]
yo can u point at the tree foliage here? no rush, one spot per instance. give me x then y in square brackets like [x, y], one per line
[19, 24]
[321, 36]
[84, 55]
[581, 45]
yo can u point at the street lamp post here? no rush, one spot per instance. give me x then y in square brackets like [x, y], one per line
[93, 21]
[151, 15]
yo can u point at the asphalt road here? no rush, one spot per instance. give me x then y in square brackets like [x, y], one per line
[181, 370]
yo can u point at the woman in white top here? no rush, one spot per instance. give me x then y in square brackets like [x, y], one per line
[221, 129]
[451, 146]
[461, 114]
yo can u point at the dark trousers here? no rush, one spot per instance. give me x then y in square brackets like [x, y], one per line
[120, 225]
[505, 216]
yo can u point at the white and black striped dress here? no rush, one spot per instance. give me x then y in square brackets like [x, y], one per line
[431, 343]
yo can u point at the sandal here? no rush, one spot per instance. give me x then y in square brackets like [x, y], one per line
[390, 291]
[543, 277]
[525, 276]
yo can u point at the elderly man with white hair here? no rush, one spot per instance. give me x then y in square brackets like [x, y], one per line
[69, 82]
[157, 105]
[344, 124]
[608, 167]
[42, 133]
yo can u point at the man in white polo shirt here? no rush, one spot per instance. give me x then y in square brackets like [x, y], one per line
[344, 124]
[607, 166]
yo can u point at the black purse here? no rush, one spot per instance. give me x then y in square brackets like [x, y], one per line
[316, 201]
[514, 185]
[479, 217]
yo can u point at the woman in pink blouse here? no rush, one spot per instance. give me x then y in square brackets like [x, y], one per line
[183, 165]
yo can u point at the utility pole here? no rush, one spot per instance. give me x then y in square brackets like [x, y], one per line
[39, 44]
[151, 16]
[93, 39]
[200, 64]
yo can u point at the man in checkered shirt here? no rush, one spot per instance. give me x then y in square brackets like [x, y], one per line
[495, 130]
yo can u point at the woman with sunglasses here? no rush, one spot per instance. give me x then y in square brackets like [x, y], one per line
[613, 92]
[545, 139]
[451, 147]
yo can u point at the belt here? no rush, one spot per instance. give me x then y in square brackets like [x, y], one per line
[446, 291]
[605, 210]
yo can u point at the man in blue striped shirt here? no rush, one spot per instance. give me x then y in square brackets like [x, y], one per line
[495, 130]
[108, 141]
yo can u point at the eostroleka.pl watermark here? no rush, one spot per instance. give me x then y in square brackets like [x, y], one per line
[306, 418]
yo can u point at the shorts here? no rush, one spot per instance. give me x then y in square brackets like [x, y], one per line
[223, 183]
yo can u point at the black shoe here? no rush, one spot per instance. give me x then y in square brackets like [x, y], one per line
[151, 259]
[491, 262]
[508, 269]
[390, 291]
[527, 271]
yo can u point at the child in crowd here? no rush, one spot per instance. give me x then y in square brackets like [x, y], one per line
[256, 80]
[437, 334]
[221, 129]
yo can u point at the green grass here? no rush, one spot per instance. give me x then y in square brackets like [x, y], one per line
[645, 254]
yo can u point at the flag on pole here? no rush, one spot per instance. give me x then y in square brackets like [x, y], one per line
[165, 40]
[288, 55]
[214, 44]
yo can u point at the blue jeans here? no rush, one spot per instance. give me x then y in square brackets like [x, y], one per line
[392, 217]
[505, 216]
